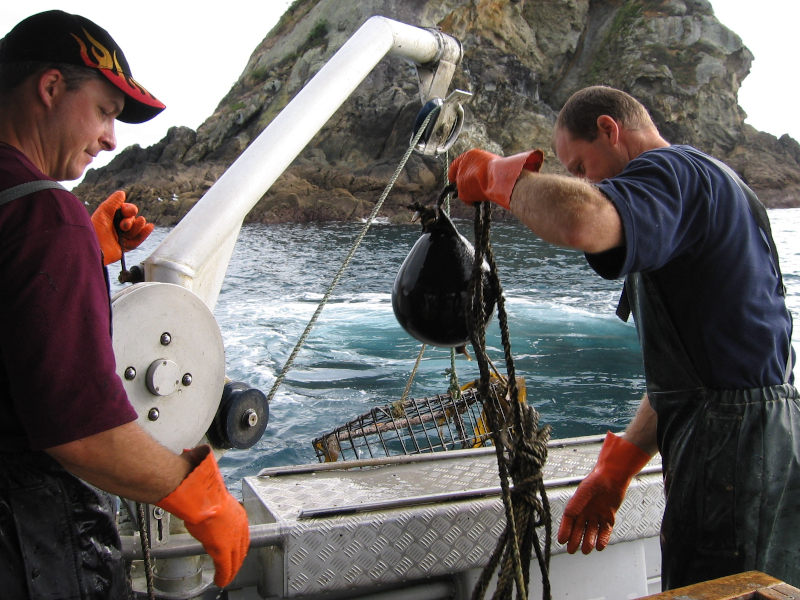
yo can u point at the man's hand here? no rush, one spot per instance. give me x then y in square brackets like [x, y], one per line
[481, 175]
[211, 515]
[591, 512]
[127, 462]
[133, 230]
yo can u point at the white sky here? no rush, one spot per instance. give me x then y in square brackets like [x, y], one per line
[190, 54]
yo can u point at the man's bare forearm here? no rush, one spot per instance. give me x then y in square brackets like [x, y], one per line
[567, 212]
[643, 430]
[124, 461]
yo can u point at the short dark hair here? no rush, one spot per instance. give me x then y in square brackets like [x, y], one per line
[579, 115]
[12, 75]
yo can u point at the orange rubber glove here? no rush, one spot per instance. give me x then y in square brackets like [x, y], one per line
[591, 512]
[133, 230]
[211, 515]
[480, 175]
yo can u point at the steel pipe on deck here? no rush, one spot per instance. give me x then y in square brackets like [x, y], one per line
[183, 544]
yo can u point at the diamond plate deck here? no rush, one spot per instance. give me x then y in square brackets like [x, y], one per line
[387, 545]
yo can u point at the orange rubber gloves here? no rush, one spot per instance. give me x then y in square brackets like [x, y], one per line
[211, 515]
[591, 512]
[480, 175]
[133, 230]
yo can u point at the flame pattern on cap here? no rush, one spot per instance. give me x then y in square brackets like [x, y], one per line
[108, 63]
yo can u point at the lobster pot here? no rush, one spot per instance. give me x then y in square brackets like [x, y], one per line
[408, 427]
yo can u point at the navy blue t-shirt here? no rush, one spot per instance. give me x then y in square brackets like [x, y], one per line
[688, 223]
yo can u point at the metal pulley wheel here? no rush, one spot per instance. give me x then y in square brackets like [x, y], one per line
[241, 419]
[171, 360]
[444, 127]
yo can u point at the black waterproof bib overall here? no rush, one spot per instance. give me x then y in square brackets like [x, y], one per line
[58, 539]
[731, 461]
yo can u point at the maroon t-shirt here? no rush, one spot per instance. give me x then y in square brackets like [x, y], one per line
[57, 376]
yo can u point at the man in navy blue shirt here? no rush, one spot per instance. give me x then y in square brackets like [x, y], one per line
[703, 282]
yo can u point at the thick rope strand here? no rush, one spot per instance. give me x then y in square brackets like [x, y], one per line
[478, 336]
[144, 538]
[522, 439]
[413, 374]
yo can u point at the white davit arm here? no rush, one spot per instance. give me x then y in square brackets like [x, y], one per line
[196, 253]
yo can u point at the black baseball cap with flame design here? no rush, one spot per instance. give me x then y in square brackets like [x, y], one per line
[59, 37]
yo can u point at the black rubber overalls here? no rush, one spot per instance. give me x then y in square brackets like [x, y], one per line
[58, 538]
[731, 457]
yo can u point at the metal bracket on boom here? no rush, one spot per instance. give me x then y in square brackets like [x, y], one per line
[434, 81]
[435, 76]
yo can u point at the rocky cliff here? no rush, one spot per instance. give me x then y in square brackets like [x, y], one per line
[522, 60]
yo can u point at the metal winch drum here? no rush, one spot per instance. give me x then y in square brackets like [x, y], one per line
[171, 360]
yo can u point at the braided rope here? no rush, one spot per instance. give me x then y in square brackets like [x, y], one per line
[454, 389]
[413, 374]
[144, 538]
[526, 507]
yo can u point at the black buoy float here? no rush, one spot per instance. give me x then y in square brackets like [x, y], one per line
[430, 296]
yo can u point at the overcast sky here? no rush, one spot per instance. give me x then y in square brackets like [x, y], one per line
[189, 55]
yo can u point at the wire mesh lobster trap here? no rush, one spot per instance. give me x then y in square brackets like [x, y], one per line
[412, 426]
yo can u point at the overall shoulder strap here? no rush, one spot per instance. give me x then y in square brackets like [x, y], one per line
[624, 304]
[23, 189]
[759, 215]
[762, 220]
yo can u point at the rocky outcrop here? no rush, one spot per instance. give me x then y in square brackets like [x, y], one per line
[522, 60]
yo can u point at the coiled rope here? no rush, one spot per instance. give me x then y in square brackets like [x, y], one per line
[521, 448]
[349, 257]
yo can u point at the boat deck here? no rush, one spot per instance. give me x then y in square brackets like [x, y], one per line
[377, 522]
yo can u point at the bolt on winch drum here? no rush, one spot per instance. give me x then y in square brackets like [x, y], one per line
[171, 360]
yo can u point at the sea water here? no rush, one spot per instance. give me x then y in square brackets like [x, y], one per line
[582, 365]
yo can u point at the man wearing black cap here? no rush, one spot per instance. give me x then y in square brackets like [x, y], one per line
[64, 412]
